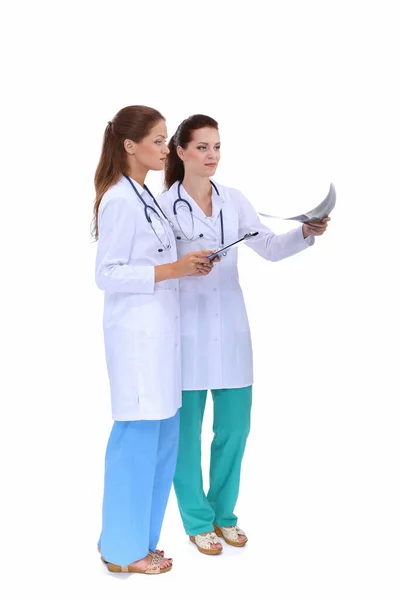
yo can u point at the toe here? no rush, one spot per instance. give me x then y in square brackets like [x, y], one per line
[165, 563]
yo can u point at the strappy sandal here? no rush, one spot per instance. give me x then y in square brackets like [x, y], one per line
[153, 569]
[203, 542]
[231, 535]
[161, 553]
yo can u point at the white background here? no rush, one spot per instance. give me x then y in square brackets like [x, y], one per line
[305, 93]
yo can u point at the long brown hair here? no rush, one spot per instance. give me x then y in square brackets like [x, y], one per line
[174, 169]
[130, 123]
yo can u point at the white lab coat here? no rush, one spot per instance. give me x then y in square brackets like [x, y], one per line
[141, 318]
[215, 334]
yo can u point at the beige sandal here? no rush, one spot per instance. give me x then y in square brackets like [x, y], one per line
[231, 535]
[153, 569]
[204, 541]
[159, 552]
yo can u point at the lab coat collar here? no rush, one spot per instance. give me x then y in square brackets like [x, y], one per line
[217, 204]
[137, 185]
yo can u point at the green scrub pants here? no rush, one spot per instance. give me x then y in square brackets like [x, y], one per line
[231, 427]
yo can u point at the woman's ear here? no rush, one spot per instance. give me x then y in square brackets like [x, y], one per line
[130, 147]
[180, 152]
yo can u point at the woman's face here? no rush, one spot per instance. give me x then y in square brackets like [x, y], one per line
[152, 150]
[202, 154]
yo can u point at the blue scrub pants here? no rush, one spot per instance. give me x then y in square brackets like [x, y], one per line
[139, 468]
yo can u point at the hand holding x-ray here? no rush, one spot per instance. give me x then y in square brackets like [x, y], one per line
[315, 227]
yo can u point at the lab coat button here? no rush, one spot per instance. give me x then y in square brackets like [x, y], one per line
[215, 289]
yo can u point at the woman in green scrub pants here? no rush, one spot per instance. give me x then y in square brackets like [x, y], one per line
[215, 335]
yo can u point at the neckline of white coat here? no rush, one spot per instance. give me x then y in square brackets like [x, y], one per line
[217, 204]
[141, 190]
[137, 185]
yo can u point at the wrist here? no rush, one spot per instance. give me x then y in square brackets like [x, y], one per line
[166, 271]
[173, 270]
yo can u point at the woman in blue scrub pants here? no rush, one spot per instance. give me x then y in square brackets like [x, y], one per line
[215, 335]
[137, 267]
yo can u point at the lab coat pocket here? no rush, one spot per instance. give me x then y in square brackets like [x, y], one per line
[189, 312]
[160, 315]
[158, 375]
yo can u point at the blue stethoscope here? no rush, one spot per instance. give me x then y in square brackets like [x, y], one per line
[191, 237]
[150, 212]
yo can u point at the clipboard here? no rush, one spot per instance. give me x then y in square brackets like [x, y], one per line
[245, 238]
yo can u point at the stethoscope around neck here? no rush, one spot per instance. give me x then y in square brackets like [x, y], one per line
[149, 212]
[191, 236]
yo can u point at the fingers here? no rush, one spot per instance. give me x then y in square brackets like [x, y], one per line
[318, 223]
[203, 252]
[200, 265]
[316, 232]
[202, 260]
[216, 258]
[203, 268]
[318, 227]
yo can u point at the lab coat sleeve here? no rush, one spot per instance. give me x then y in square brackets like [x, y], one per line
[268, 244]
[116, 236]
